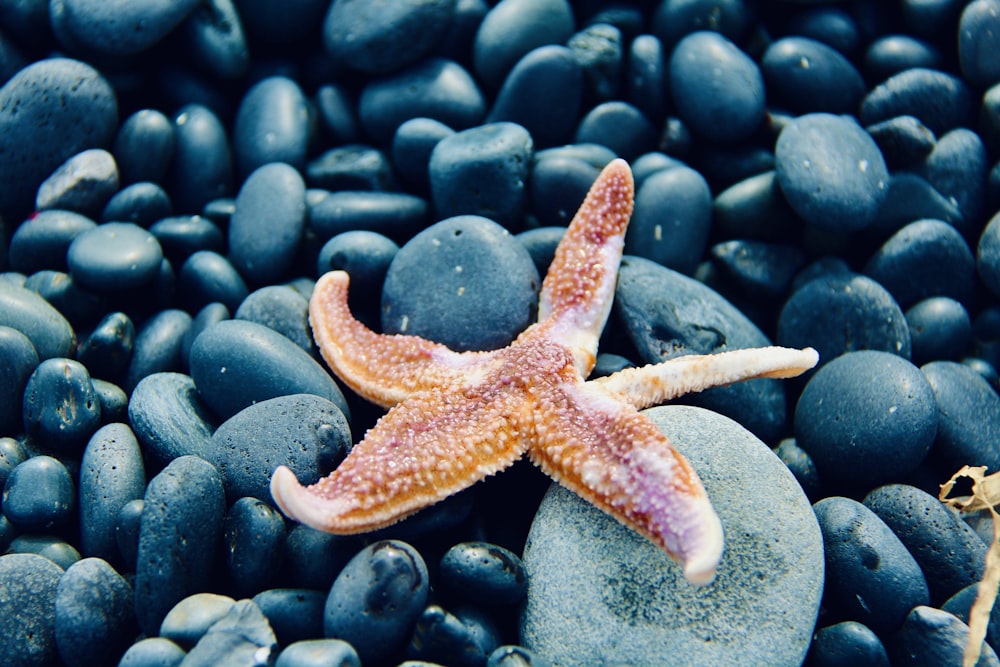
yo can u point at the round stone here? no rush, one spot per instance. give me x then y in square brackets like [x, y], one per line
[94, 614]
[60, 407]
[114, 256]
[272, 125]
[30, 583]
[39, 495]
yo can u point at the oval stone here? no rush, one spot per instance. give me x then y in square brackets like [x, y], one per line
[846, 642]
[142, 203]
[153, 651]
[41, 241]
[114, 256]
[39, 495]
[169, 418]
[201, 168]
[143, 146]
[940, 329]
[30, 583]
[157, 347]
[619, 126]
[513, 28]
[940, 101]
[969, 411]
[395, 214]
[18, 360]
[94, 614]
[60, 407]
[934, 637]
[189, 620]
[804, 75]
[483, 573]
[123, 28]
[272, 125]
[979, 42]
[318, 652]
[281, 308]
[44, 326]
[253, 533]
[295, 614]
[84, 183]
[207, 277]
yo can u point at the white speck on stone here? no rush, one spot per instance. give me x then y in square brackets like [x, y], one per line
[461, 290]
[658, 232]
[222, 371]
[458, 269]
[893, 409]
[807, 164]
[804, 62]
[863, 165]
[404, 323]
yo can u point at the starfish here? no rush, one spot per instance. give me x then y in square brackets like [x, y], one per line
[458, 417]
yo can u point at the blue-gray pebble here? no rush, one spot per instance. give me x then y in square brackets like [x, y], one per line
[35, 317]
[272, 124]
[376, 599]
[179, 539]
[281, 308]
[84, 183]
[30, 583]
[934, 637]
[870, 575]
[847, 643]
[315, 558]
[831, 172]
[208, 277]
[236, 363]
[940, 328]
[18, 360]
[411, 150]
[153, 652]
[157, 347]
[39, 495]
[114, 256]
[60, 407]
[464, 638]
[41, 241]
[969, 409]
[483, 573]
[241, 637]
[957, 168]
[189, 620]
[58, 550]
[619, 126]
[122, 28]
[978, 41]
[395, 214]
[169, 418]
[465, 282]
[142, 203]
[903, 140]
[143, 146]
[318, 652]
[295, 614]
[94, 614]
[804, 75]
[181, 236]
[940, 101]
[253, 533]
[988, 255]
[201, 166]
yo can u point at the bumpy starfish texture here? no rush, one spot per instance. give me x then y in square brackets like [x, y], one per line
[457, 418]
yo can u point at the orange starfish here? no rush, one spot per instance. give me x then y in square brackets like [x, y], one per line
[458, 417]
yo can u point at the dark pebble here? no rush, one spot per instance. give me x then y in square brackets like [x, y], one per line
[18, 360]
[890, 55]
[201, 166]
[266, 229]
[189, 620]
[934, 637]
[940, 328]
[597, 48]
[153, 652]
[49, 111]
[434, 88]
[557, 187]
[718, 89]
[314, 558]
[113, 257]
[394, 214]
[913, 198]
[762, 271]
[909, 264]
[989, 118]
[754, 208]
[107, 350]
[272, 24]
[543, 94]
[127, 532]
[646, 76]
[513, 28]
[208, 277]
[84, 183]
[465, 282]
[157, 346]
[318, 652]
[514, 656]
[338, 115]
[12, 454]
[988, 255]
[272, 125]
[496, 157]
[804, 76]
[376, 599]
[254, 537]
[483, 573]
[111, 475]
[41, 241]
[39, 495]
[979, 41]
[295, 614]
[948, 551]
[236, 364]
[939, 100]
[351, 167]
[366, 257]
[94, 614]
[113, 400]
[464, 638]
[674, 19]
[144, 146]
[960, 604]
[385, 35]
[879, 393]
[183, 235]
[671, 220]
[56, 549]
[281, 308]
[969, 411]
[831, 172]
[81, 306]
[121, 28]
[179, 538]
[308, 433]
[169, 418]
[241, 637]
[667, 314]
[412, 145]
[843, 312]
[957, 168]
[802, 467]
[847, 643]
[35, 317]
[211, 314]
[903, 140]
[216, 39]
[61, 410]
[30, 583]
[870, 576]
[619, 126]
[141, 203]
[541, 244]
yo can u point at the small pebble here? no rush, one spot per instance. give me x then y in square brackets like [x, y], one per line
[619, 126]
[183, 235]
[272, 124]
[39, 495]
[940, 328]
[890, 55]
[140, 203]
[754, 208]
[153, 652]
[318, 653]
[84, 183]
[30, 584]
[646, 76]
[94, 614]
[676, 18]
[912, 198]
[957, 168]
[597, 48]
[557, 187]
[412, 145]
[351, 167]
[60, 408]
[18, 360]
[127, 532]
[169, 418]
[513, 28]
[57, 550]
[762, 271]
[315, 558]
[939, 100]
[208, 277]
[41, 241]
[514, 656]
[969, 410]
[483, 573]
[903, 140]
[464, 638]
[80, 306]
[393, 214]
[113, 400]
[847, 643]
[804, 76]
[366, 257]
[934, 637]
[143, 146]
[978, 40]
[201, 167]
[35, 317]
[282, 309]
[114, 256]
[122, 28]
[295, 614]
[241, 637]
[12, 454]
[157, 347]
[189, 619]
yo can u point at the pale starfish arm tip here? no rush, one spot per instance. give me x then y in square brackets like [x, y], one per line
[297, 502]
[705, 551]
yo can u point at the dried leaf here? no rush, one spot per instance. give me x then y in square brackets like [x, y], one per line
[985, 496]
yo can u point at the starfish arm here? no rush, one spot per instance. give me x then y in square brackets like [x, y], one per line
[385, 369]
[579, 286]
[422, 451]
[651, 385]
[612, 456]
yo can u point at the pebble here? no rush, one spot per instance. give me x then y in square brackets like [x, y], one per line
[12, 453]
[754, 208]
[275, 25]
[94, 615]
[281, 308]
[157, 347]
[236, 363]
[718, 90]
[153, 652]
[57, 550]
[435, 88]
[315, 558]
[513, 28]
[978, 39]
[831, 172]
[39, 495]
[127, 532]
[879, 392]
[41, 241]
[113, 257]
[366, 257]
[183, 235]
[969, 411]
[597, 48]
[350, 167]
[120, 28]
[761, 271]
[140, 203]
[254, 536]
[957, 168]
[646, 76]
[111, 474]
[939, 100]
[671, 220]
[208, 277]
[890, 55]
[934, 637]
[30, 585]
[60, 407]
[483, 573]
[909, 263]
[465, 282]
[912, 198]
[49, 111]
[988, 255]
[412, 145]
[376, 599]
[543, 94]
[241, 637]
[169, 418]
[113, 400]
[295, 614]
[870, 576]
[804, 76]
[940, 328]
[667, 314]
[179, 538]
[903, 140]
[386, 35]
[216, 40]
[84, 183]
[497, 158]
[557, 187]
[18, 360]
[305, 432]
[80, 306]
[464, 638]
[267, 227]
[394, 214]
[272, 124]
[949, 552]
[33, 316]
[619, 126]
[590, 578]
[201, 166]
[189, 620]
[317, 652]
[847, 643]
[144, 146]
